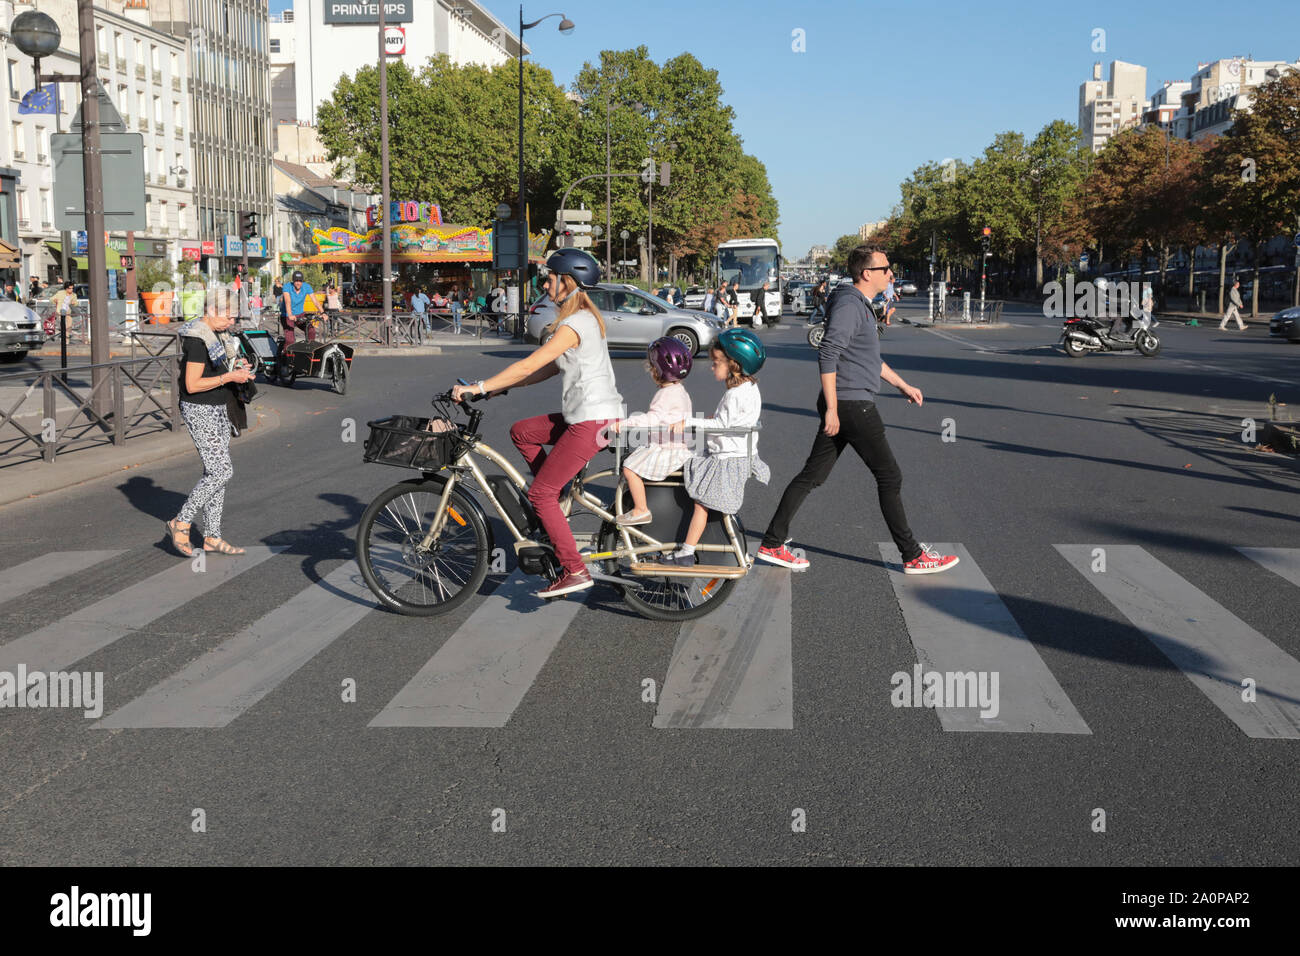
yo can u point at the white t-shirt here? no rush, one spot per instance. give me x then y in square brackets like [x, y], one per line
[740, 408]
[590, 393]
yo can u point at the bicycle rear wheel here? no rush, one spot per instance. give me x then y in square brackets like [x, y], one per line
[408, 578]
[674, 598]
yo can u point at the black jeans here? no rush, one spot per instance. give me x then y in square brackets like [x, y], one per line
[861, 427]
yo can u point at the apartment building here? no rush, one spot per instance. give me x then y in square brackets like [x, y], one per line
[1219, 87]
[231, 107]
[1108, 106]
[145, 73]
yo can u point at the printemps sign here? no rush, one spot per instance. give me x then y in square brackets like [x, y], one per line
[361, 11]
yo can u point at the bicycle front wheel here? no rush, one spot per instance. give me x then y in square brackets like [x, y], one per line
[408, 577]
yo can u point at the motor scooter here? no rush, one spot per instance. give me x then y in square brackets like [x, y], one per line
[1082, 335]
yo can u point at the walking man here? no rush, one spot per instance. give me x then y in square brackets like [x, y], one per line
[420, 306]
[851, 373]
[1234, 308]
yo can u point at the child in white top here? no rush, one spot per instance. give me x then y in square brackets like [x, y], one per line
[668, 362]
[717, 480]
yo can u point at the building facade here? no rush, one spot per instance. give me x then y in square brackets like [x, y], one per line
[1106, 107]
[231, 106]
[329, 41]
[145, 72]
[1218, 88]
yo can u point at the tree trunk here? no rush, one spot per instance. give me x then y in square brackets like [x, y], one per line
[1164, 267]
[1223, 271]
[1191, 278]
[1255, 244]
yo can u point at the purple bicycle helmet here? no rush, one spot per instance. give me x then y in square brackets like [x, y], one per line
[670, 358]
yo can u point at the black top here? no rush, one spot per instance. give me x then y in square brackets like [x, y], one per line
[193, 350]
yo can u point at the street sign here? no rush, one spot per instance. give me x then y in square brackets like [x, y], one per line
[122, 156]
[356, 11]
[110, 120]
[507, 245]
[394, 41]
[572, 215]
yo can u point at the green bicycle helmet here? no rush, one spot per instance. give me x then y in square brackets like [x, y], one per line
[745, 348]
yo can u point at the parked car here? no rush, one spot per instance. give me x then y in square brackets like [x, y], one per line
[1286, 324]
[634, 319]
[905, 287]
[20, 331]
[695, 297]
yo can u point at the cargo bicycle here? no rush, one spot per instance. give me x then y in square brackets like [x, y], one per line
[425, 545]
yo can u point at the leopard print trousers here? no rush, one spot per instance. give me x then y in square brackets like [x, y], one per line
[209, 426]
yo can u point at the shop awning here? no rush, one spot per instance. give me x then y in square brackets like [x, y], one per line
[9, 256]
[113, 260]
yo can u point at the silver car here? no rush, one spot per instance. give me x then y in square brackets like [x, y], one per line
[634, 319]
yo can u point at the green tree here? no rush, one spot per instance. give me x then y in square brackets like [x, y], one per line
[453, 136]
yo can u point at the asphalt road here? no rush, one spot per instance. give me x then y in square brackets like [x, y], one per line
[1120, 691]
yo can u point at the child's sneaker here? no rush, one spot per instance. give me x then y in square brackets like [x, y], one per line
[929, 561]
[633, 518]
[784, 557]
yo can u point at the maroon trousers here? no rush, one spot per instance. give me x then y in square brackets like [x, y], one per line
[572, 446]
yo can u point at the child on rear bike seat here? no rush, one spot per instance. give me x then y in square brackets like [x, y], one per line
[717, 480]
[668, 361]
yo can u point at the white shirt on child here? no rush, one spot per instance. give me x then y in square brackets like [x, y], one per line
[740, 408]
[664, 454]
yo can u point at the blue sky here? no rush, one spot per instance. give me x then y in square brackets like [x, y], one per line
[840, 125]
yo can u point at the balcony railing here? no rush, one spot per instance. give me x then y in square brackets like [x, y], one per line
[24, 224]
[176, 82]
[178, 133]
[120, 65]
[143, 125]
[42, 158]
[157, 77]
[139, 71]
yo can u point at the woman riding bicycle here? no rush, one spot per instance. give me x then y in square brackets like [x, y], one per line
[573, 344]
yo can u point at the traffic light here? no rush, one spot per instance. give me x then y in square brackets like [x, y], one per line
[573, 229]
[247, 225]
[987, 239]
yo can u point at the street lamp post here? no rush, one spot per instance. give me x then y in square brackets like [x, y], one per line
[385, 200]
[624, 235]
[37, 35]
[566, 27]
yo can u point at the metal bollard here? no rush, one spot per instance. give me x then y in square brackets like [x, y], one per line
[930, 311]
[965, 306]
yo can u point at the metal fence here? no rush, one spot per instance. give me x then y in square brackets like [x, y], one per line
[405, 328]
[48, 412]
[965, 310]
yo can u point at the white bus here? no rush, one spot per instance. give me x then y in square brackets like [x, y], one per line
[750, 262]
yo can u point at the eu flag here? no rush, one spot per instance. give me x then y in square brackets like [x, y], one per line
[44, 100]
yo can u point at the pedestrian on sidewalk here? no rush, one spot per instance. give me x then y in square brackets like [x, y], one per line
[457, 303]
[420, 306]
[212, 406]
[851, 372]
[1234, 308]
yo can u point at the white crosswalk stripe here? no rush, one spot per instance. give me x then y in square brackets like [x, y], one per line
[82, 633]
[733, 668]
[235, 675]
[1284, 562]
[48, 568]
[1214, 649]
[960, 626]
[482, 672]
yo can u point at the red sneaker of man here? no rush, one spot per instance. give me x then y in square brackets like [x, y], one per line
[929, 561]
[784, 557]
[567, 585]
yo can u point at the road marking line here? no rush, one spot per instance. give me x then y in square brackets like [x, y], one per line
[953, 338]
[959, 624]
[482, 672]
[734, 668]
[233, 676]
[48, 568]
[1213, 648]
[1284, 562]
[1201, 366]
[82, 633]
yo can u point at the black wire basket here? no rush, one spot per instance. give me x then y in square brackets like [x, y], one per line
[408, 442]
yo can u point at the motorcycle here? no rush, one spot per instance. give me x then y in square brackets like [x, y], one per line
[1082, 335]
[817, 323]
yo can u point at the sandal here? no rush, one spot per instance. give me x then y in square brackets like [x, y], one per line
[222, 546]
[180, 537]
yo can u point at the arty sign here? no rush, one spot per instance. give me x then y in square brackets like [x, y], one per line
[399, 212]
[395, 41]
[362, 11]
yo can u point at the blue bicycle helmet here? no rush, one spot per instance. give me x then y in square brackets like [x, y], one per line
[745, 348]
[584, 269]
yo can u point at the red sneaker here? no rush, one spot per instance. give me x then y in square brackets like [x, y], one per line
[784, 557]
[567, 585]
[929, 561]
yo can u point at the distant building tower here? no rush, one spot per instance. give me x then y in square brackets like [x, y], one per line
[1105, 108]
